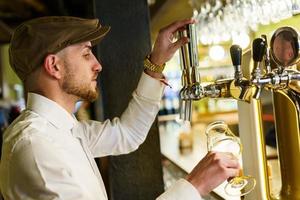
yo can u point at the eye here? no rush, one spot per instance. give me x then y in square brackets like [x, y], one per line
[86, 55]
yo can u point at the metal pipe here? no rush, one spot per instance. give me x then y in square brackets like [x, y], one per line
[190, 73]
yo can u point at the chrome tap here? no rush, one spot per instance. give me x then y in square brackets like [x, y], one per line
[281, 76]
[191, 89]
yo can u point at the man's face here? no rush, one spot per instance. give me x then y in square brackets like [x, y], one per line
[81, 69]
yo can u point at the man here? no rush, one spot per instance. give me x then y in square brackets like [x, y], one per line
[47, 153]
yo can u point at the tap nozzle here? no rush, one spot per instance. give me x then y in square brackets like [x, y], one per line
[257, 92]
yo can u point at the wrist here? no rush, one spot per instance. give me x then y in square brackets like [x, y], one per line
[156, 75]
[155, 59]
[197, 185]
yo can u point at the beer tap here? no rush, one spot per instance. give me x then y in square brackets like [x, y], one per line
[258, 52]
[285, 106]
[236, 57]
[286, 102]
[279, 78]
[190, 73]
[240, 88]
[284, 50]
[237, 87]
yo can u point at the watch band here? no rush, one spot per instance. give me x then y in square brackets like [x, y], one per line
[153, 67]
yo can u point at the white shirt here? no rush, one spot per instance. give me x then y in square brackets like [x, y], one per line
[48, 154]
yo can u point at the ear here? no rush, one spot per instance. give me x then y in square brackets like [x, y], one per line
[52, 66]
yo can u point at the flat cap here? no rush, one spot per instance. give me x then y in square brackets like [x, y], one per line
[33, 40]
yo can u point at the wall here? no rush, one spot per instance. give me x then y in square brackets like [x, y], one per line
[136, 176]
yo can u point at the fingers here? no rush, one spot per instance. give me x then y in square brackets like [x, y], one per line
[231, 161]
[212, 170]
[176, 25]
[176, 45]
[226, 155]
[227, 163]
[230, 172]
[165, 46]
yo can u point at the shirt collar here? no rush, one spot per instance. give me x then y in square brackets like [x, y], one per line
[51, 111]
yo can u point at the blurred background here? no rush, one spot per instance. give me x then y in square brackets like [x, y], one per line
[220, 23]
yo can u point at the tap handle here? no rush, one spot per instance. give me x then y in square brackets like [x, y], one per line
[267, 55]
[193, 45]
[258, 49]
[236, 55]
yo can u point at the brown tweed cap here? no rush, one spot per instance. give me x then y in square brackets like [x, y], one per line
[33, 40]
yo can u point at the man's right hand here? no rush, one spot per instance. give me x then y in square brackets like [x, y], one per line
[164, 46]
[212, 170]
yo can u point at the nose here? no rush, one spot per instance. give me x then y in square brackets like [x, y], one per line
[97, 66]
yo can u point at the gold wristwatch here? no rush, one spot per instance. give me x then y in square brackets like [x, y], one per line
[153, 67]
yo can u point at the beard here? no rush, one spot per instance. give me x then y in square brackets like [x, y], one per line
[81, 89]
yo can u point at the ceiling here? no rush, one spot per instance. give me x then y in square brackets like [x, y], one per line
[14, 12]
[167, 13]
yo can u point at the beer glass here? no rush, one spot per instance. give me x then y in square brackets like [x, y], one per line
[221, 139]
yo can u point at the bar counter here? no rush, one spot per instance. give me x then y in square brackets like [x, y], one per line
[186, 159]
